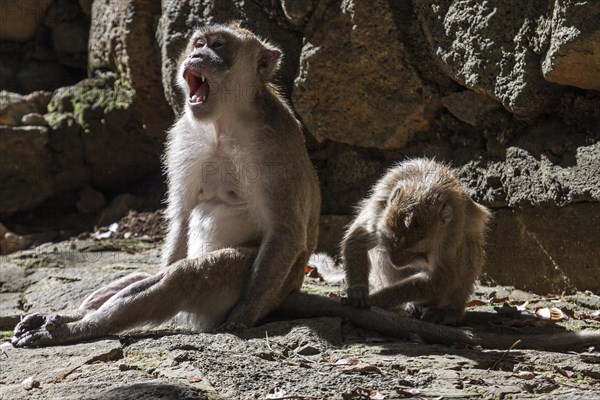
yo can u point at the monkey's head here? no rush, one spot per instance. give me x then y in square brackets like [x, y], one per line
[224, 66]
[415, 222]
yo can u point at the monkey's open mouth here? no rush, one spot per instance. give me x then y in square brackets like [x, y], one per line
[199, 87]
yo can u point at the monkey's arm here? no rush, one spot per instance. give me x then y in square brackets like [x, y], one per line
[178, 214]
[355, 251]
[175, 247]
[276, 257]
[417, 288]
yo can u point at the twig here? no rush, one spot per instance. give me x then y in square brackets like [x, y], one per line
[268, 344]
[512, 346]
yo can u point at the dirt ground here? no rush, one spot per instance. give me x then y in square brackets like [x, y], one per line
[324, 358]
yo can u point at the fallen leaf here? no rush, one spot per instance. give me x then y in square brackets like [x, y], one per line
[527, 375]
[312, 272]
[476, 302]
[564, 373]
[347, 361]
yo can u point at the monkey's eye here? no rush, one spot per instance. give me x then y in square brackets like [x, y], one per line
[217, 44]
[199, 44]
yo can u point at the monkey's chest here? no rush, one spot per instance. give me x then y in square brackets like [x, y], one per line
[222, 216]
[220, 181]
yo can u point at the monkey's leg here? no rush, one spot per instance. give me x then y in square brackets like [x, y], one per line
[91, 303]
[207, 288]
[95, 300]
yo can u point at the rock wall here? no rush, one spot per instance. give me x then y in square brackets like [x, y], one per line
[507, 91]
[43, 43]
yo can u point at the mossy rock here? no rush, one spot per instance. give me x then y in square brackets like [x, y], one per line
[91, 98]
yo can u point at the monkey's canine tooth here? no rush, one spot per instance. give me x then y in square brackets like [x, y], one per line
[202, 77]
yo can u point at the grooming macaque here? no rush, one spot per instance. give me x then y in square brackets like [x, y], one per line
[418, 240]
[243, 210]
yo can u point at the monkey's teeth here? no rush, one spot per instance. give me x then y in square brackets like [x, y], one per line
[202, 77]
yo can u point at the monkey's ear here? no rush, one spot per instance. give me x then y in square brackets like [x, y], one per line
[268, 62]
[446, 213]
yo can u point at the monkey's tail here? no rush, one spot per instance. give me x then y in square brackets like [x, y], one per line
[306, 305]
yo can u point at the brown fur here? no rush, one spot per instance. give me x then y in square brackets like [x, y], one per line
[421, 242]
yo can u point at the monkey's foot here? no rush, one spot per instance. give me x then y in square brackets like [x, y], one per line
[44, 330]
[358, 296]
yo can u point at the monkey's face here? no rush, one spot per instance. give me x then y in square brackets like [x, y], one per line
[412, 228]
[204, 66]
[222, 68]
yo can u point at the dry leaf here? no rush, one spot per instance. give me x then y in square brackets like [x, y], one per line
[347, 361]
[312, 272]
[476, 302]
[525, 375]
[564, 373]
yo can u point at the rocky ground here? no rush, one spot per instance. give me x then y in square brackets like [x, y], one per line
[303, 359]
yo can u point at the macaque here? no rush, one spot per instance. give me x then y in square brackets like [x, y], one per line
[243, 210]
[243, 203]
[418, 241]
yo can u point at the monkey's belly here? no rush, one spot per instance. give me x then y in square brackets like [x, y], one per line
[215, 225]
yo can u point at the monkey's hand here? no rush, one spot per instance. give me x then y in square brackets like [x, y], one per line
[358, 296]
[44, 330]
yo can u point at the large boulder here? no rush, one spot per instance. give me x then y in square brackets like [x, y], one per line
[25, 174]
[355, 83]
[122, 40]
[546, 199]
[574, 54]
[20, 19]
[546, 249]
[14, 106]
[93, 121]
[493, 48]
